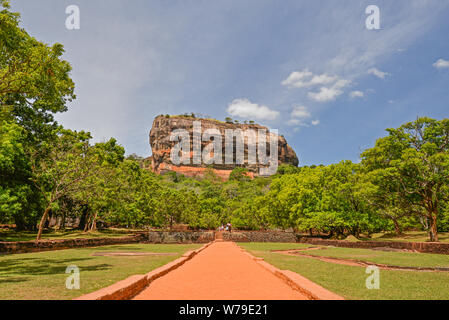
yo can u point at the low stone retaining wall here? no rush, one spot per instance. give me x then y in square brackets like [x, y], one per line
[208, 236]
[424, 247]
[259, 236]
[48, 245]
[181, 236]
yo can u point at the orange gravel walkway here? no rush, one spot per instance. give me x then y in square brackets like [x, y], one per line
[220, 272]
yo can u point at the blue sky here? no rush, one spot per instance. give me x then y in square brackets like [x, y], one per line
[308, 68]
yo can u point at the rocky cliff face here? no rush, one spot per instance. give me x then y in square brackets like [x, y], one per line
[162, 147]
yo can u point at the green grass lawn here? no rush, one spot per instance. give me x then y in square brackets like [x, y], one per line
[42, 275]
[409, 236]
[349, 281]
[12, 235]
[405, 259]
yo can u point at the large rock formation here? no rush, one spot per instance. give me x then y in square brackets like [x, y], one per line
[164, 126]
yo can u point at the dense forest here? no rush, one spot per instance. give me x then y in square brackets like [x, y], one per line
[47, 171]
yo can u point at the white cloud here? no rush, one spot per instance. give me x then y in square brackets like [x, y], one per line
[378, 73]
[342, 83]
[326, 94]
[305, 78]
[356, 94]
[441, 63]
[298, 116]
[300, 112]
[244, 108]
[331, 86]
[315, 122]
[294, 122]
[295, 79]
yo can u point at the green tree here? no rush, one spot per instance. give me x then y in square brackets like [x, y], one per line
[287, 169]
[34, 81]
[171, 206]
[97, 190]
[60, 168]
[380, 191]
[19, 200]
[239, 174]
[414, 159]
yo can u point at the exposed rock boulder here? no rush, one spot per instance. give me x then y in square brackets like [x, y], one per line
[164, 126]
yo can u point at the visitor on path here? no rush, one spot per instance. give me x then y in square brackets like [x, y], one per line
[229, 227]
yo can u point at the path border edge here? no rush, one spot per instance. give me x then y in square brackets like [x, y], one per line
[296, 281]
[130, 287]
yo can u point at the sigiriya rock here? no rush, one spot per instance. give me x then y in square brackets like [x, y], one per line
[229, 156]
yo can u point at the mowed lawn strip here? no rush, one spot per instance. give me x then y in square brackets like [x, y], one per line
[42, 275]
[11, 235]
[350, 281]
[403, 259]
[408, 236]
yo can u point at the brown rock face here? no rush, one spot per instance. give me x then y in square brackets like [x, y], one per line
[162, 147]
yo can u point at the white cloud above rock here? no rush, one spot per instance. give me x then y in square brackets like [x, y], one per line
[305, 78]
[300, 116]
[300, 112]
[356, 94]
[441, 64]
[376, 72]
[244, 108]
[330, 86]
[326, 94]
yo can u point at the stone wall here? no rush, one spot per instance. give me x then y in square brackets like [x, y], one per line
[208, 236]
[181, 236]
[259, 236]
[48, 245]
[425, 247]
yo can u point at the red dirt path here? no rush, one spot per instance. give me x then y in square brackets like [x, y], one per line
[220, 272]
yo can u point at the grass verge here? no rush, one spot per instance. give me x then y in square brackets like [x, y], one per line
[350, 281]
[404, 259]
[408, 236]
[12, 235]
[41, 275]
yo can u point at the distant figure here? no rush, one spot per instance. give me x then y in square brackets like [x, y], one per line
[229, 227]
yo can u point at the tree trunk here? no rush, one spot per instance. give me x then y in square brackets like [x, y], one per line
[433, 231]
[63, 222]
[397, 228]
[93, 226]
[42, 223]
[48, 220]
[20, 223]
[86, 226]
[83, 219]
[424, 222]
